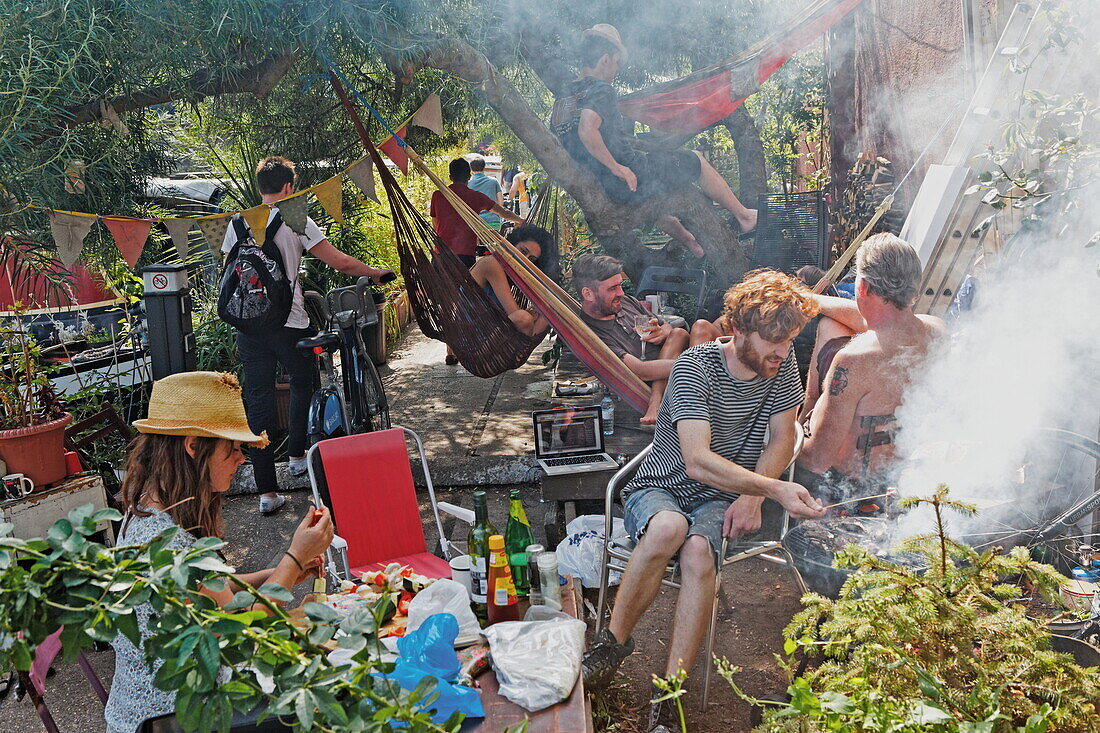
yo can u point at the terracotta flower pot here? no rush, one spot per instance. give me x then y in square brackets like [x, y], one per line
[37, 451]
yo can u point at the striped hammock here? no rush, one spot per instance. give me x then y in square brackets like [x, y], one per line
[451, 307]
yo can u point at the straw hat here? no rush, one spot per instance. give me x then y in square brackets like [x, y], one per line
[607, 32]
[205, 404]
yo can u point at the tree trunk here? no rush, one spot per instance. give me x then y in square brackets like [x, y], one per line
[751, 168]
[616, 226]
[840, 95]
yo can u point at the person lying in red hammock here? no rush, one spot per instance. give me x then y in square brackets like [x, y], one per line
[537, 245]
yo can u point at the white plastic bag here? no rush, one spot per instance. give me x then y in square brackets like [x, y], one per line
[537, 662]
[444, 596]
[580, 554]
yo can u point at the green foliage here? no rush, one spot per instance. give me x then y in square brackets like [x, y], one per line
[217, 660]
[790, 114]
[941, 649]
[1044, 167]
[26, 395]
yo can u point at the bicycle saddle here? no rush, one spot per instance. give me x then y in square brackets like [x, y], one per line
[325, 341]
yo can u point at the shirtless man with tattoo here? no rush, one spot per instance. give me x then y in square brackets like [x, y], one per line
[852, 424]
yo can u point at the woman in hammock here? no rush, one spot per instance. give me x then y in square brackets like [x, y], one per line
[538, 246]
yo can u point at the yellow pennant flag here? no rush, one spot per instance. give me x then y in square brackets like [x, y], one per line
[330, 194]
[257, 221]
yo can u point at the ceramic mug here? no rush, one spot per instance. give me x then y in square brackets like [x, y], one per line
[16, 486]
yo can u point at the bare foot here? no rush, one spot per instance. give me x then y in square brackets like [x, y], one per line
[650, 418]
[748, 221]
[693, 245]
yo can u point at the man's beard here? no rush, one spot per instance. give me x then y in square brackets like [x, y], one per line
[610, 307]
[754, 360]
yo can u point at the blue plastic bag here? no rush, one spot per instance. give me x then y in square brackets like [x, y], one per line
[430, 652]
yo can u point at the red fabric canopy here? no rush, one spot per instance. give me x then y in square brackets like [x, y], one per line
[694, 102]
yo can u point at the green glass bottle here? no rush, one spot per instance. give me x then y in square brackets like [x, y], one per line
[477, 545]
[517, 536]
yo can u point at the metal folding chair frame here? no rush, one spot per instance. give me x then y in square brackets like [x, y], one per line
[339, 544]
[616, 555]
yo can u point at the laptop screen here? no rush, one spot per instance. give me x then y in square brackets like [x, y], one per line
[568, 431]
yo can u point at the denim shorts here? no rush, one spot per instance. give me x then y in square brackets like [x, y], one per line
[705, 517]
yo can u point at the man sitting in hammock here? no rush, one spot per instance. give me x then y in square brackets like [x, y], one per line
[590, 127]
[537, 245]
[617, 319]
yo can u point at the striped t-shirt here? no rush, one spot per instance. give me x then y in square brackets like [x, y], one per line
[701, 388]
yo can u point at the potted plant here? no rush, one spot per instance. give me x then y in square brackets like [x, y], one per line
[32, 421]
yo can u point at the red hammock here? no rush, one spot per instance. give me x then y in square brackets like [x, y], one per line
[691, 103]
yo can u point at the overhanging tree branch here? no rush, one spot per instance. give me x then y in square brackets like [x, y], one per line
[259, 79]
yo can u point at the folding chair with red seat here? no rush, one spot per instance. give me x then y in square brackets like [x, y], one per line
[367, 482]
[34, 680]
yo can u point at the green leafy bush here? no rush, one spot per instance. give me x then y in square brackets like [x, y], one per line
[217, 660]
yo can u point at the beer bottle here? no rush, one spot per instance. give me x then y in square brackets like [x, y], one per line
[502, 602]
[517, 536]
[477, 545]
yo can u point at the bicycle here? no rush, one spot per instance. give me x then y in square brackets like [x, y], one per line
[355, 400]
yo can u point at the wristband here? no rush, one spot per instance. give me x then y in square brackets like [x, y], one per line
[296, 561]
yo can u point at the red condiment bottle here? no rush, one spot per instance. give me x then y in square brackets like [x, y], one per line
[502, 602]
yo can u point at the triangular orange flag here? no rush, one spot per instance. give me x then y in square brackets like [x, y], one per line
[330, 194]
[395, 152]
[130, 236]
[257, 221]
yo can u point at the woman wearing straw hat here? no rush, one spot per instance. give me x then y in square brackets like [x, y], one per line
[178, 469]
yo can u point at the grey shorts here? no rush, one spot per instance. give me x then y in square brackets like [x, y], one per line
[705, 518]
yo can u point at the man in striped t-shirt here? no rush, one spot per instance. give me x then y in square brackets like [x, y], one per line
[710, 470]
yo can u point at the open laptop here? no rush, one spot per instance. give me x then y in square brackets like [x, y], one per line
[570, 440]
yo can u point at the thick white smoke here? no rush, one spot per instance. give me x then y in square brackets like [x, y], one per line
[1026, 357]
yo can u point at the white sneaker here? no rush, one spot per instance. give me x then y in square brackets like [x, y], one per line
[298, 466]
[270, 504]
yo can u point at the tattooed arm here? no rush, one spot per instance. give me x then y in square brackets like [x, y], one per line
[833, 416]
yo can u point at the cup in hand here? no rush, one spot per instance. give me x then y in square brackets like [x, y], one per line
[16, 486]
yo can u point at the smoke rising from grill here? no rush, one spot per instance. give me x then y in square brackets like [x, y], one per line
[1024, 358]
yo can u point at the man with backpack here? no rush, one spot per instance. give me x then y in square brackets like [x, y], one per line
[261, 297]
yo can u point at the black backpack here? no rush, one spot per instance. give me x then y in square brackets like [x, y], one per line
[255, 294]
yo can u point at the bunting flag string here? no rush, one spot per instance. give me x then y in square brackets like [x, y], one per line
[330, 194]
[295, 211]
[71, 228]
[362, 175]
[179, 229]
[130, 235]
[257, 218]
[214, 229]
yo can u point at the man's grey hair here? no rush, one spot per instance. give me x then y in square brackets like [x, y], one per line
[891, 269]
[591, 270]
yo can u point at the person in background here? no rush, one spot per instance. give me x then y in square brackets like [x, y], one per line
[538, 246]
[260, 354]
[177, 473]
[613, 316]
[588, 122]
[519, 193]
[709, 471]
[487, 185]
[810, 275]
[851, 427]
[452, 229]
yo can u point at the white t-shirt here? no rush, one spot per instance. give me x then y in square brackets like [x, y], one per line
[292, 246]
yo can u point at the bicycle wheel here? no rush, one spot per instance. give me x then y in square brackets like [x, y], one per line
[375, 402]
[1054, 507]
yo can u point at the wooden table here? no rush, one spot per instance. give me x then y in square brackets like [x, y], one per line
[572, 715]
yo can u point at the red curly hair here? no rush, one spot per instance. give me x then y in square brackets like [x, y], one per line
[769, 303]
